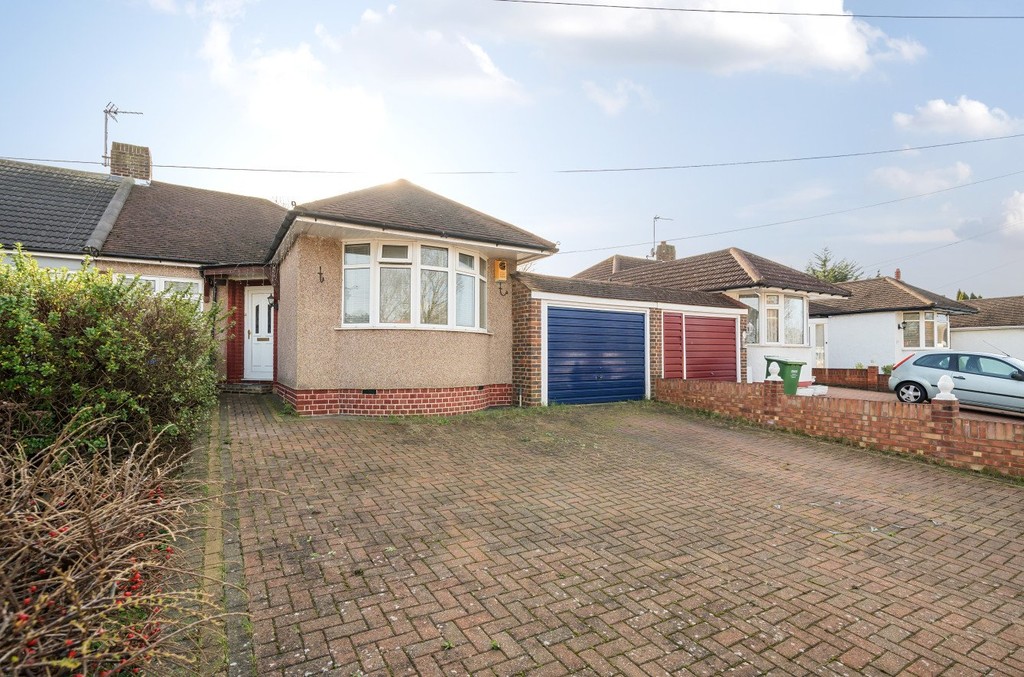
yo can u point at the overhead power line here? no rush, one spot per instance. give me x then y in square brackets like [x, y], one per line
[756, 12]
[803, 218]
[603, 170]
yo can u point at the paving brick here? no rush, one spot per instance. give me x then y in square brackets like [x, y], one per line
[616, 539]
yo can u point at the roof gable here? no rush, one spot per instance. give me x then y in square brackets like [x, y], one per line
[723, 270]
[51, 209]
[180, 223]
[880, 294]
[1006, 311]
[402, 205]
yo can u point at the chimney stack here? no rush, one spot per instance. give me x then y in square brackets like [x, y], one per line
[665, 252]
[898, 277]
[131, 161]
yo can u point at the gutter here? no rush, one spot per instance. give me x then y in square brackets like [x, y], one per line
[106, 223]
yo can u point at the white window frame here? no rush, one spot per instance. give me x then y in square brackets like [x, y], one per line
[160, 284]
[780, 309]
[937, 322]
[414, 263]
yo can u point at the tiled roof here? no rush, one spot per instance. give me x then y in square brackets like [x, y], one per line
[50, 209]
[180, 223]
[880, 294]
[624, 292]
[603, 270]
[1007, 311]
[402, 205]
[723, 270]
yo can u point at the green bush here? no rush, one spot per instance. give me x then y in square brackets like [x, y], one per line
[89, 342]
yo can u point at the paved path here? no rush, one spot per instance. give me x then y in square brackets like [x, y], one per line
[615, 540]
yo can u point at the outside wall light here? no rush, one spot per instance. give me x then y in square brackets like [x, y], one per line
[901, 325]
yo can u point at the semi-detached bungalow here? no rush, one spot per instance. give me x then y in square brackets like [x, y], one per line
[388, 300]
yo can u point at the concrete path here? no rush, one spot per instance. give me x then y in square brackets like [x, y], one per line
[608, 540]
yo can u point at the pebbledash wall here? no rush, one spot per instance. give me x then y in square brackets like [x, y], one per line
[936, 430]
[323, 368]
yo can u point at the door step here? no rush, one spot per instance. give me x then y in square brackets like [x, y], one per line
[248, 388]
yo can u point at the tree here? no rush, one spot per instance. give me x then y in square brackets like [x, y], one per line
[961, 295]
[825, 266]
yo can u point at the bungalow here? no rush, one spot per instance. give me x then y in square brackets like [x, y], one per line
[776, 297]
[883, 320]
[388, 300]
[997, 327]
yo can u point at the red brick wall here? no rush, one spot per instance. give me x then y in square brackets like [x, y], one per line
[657, 345]
[526, 346]
[863, 379]
[397, 402]
[933, 430]
[235, 352]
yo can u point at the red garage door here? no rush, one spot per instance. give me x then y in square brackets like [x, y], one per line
[705, 345]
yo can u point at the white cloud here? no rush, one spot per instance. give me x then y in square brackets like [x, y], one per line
[965, 117]
[166, 6]
[1013, 214]
[912, 236]
[615, 99]
[906, 182]
[716, 42]
[390, 49]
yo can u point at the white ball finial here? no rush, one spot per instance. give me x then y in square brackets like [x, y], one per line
[945, 388]
[773, 372]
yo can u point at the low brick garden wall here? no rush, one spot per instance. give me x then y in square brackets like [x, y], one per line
[862, 379]
[935, 430]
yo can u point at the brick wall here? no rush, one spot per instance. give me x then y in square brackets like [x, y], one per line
[398, 401]
[935, 430]
[862, 379]
[657, 343]
[526, 346]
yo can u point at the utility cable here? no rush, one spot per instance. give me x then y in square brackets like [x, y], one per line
[836, 212]
[653, 168]
[756, 12]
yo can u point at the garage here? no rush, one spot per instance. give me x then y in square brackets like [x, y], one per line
[595, 355]
[700, 347]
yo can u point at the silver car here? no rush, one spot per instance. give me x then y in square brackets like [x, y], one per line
[979, 379]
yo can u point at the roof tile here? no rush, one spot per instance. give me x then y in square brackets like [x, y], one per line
[1006, 311]
[879, 294]
[625, 292]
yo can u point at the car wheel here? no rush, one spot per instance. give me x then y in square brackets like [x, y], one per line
[910, 392]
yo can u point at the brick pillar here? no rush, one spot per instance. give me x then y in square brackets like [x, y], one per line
[771, 402]
[655, 322]
[526, 346]
[945, 415]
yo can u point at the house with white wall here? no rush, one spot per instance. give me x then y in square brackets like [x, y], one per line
[882, 321]
[998, 327]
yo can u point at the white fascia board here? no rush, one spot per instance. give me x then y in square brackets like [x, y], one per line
[115, 259]
[591, 302]
[993, 328]
[413, 235]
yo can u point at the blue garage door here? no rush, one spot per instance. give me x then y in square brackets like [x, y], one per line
[595, 356]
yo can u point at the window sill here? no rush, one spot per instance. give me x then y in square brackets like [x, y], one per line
[399, 327]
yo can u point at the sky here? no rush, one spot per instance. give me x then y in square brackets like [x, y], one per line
[490, 103]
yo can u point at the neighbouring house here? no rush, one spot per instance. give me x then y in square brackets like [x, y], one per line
[776, 297]
[388, 300]
[997, 327]
[882, 321]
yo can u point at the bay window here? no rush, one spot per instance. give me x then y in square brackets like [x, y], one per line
[407, 284]
[925, 329]
[775, 318]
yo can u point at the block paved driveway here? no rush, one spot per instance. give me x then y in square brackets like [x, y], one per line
[622, 539]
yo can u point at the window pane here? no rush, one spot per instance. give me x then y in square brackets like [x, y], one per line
[357, 254]
[143, 282]
[190, 288]
[357, 296]
[465, 300]
[395, 295]
[434, 256]
[483, 304]
[794, 320]
[434, 297]
[771, 316]
[943, 341]
[912, 332]
[467, 262]
[772, 299]
[991, 367]
[753, 301]
[395, 251]
[929, 333]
